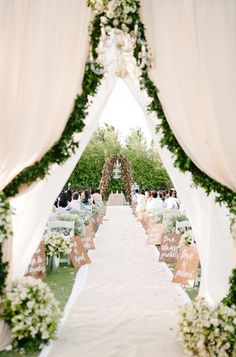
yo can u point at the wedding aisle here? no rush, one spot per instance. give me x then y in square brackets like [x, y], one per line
[128, 307]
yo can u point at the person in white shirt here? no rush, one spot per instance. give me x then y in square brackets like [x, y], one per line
[172, 203]
[141, 204]
[97, 198]
[135, 197]
[155, 205]
[75, 203]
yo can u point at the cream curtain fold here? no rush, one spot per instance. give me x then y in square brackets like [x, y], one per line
[33, 206]
[43, 46]
[210, 222]
[194, 49]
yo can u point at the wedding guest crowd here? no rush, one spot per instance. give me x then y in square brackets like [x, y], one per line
[156, 201]
[70, 200]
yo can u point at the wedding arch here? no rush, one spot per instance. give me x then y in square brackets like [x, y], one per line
[126, 173]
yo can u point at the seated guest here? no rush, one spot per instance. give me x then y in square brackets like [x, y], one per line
[69, 195]
[62, 204]
[75, 203]
[172, 203]
[97, 198]
[135, 197]
[141, 205]
[85, 203]
[155, 206]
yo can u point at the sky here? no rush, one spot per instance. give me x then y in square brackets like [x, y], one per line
[123, 112]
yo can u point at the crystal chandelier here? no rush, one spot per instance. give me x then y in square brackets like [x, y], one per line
[117, 170]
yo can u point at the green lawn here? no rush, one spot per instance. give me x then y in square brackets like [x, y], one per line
[61, 284]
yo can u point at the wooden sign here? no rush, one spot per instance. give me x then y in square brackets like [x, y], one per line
[155, 234]
[169, 247]
[87, 238]
[186, 267]
[37, 267]
[78, 254]
[149, 224]
[88, 243]
[95, 222]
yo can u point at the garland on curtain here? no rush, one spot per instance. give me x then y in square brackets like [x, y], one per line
[122, 15]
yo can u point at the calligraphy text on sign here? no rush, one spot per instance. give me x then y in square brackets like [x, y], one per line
[169, 247]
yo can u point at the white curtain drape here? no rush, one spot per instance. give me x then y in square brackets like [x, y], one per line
[194, 48]
[209, 221]
[43, 46]
[33, 206]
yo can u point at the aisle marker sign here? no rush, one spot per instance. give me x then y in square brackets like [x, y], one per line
[37, 267]
[186, 267]
[169, 247]
[155, 234]
[78, 254]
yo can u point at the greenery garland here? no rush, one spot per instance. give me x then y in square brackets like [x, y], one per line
[123, 15]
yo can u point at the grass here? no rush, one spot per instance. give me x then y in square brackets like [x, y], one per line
[61, 284]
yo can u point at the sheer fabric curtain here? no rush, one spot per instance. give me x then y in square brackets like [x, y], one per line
[43, 47]
[194, 48]
[209, 221]
[34, 205]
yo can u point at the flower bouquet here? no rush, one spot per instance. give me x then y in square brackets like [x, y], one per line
[32, 312]
[56, 244]
[208, 331]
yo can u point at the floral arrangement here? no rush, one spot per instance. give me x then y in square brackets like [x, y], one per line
[159, 217]
[170, 220]
[187, 238]
[56, 244]
[32, 313]
[208, 331]
[76, 218]
[86, 216]
[96, 209]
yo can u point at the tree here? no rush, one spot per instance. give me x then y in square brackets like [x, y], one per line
[147, 168]
[88, 171]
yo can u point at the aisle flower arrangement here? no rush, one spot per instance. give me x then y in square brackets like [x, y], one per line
[32, 312]
[207, 331]
[187, 238]
[170, 220]
[76, 218]
[56, 244]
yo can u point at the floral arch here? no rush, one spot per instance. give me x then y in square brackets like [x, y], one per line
[126, 173]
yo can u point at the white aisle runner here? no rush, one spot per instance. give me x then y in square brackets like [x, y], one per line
[128, 306]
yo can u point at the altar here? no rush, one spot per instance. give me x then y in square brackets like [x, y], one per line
[117, 199]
